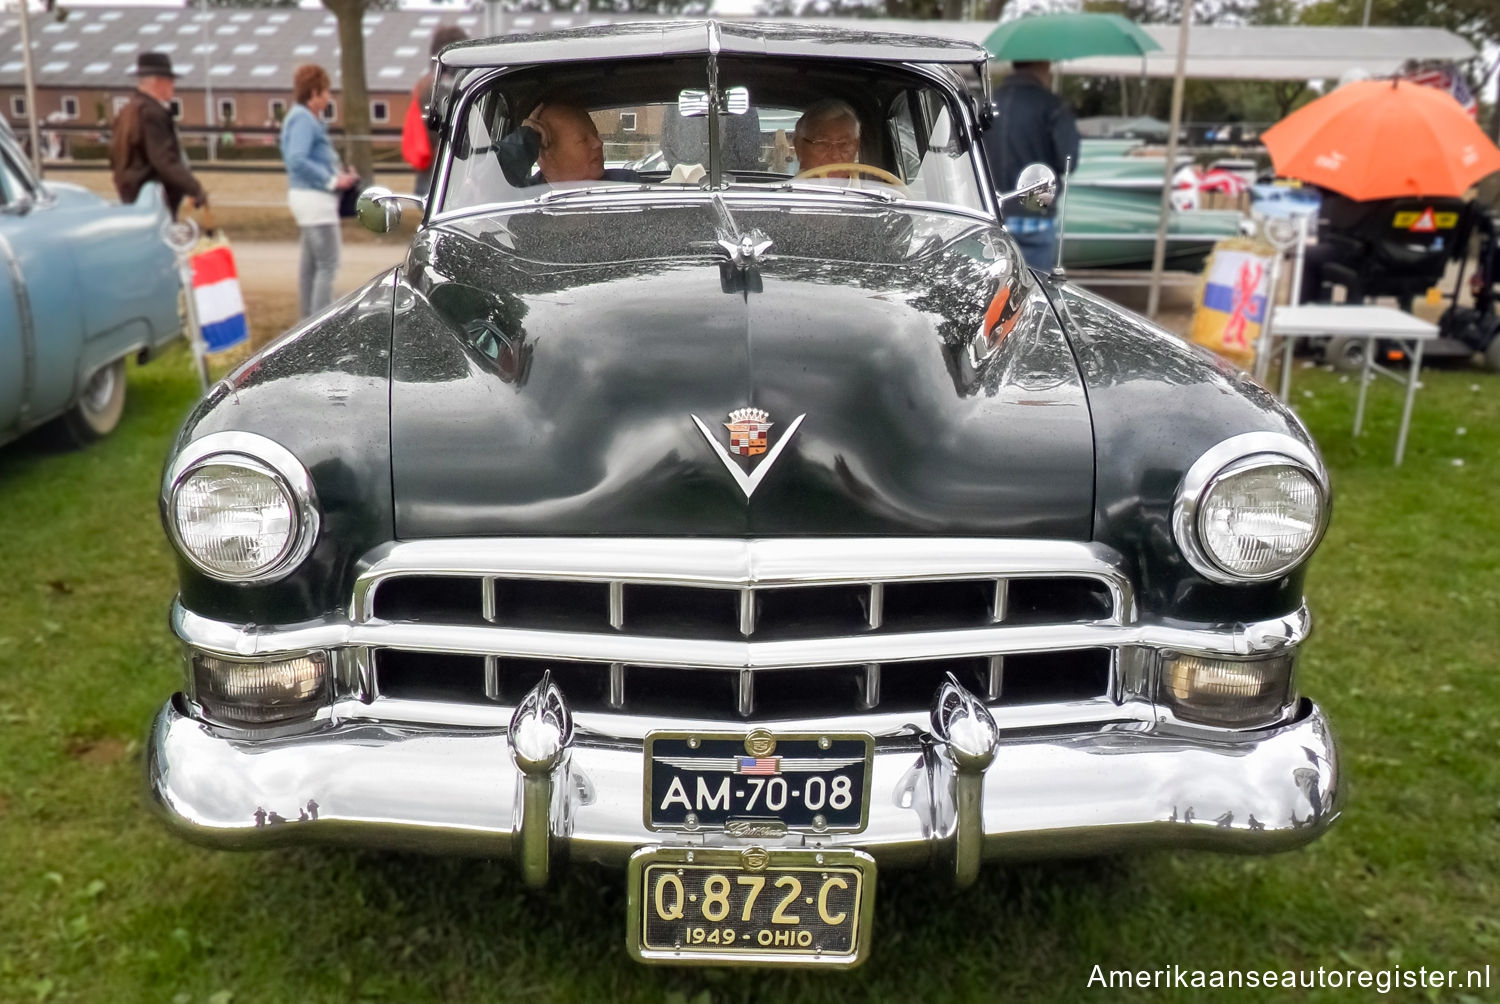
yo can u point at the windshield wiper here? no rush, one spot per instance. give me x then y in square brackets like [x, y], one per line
[558, 194]
[878, 194]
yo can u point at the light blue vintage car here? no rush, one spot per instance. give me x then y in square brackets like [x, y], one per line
[85, 283]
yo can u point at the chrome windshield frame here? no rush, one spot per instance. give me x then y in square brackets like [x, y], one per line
[941, 78]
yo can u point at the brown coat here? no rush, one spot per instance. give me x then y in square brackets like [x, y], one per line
[145, 148]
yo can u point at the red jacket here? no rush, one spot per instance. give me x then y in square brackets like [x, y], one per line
[416, 141]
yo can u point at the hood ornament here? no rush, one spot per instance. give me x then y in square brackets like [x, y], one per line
[749, 430]
[744, 249]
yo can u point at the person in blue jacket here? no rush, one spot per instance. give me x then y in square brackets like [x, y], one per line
[314, 180]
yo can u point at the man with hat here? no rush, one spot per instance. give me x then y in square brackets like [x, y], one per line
[145, 146]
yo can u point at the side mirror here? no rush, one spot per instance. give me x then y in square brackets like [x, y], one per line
[1036, 187]
[377, 210]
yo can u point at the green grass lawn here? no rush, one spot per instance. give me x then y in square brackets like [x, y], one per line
[98, 903]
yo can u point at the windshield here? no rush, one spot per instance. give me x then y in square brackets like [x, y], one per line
[861, 130]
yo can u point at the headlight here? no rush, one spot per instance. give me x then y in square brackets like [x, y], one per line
[240, 507]
[1251, 509]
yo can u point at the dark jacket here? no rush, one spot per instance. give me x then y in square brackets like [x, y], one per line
[145, 148]
[517, 152]
[1032, 126]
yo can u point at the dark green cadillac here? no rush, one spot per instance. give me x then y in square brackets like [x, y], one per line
[749, 524]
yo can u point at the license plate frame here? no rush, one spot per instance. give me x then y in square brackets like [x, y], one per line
[763, 824]
[647, 939]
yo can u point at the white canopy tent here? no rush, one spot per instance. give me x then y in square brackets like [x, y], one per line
[1236, 53]
[1282, 53]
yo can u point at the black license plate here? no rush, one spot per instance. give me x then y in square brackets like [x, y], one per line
[750, 907]
[757, 784]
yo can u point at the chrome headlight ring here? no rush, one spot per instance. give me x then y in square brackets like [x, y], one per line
[265, 457]
[1235, 456]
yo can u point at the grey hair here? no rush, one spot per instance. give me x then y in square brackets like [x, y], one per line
[826, 110]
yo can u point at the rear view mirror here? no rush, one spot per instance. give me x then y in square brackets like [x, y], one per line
[692, 104]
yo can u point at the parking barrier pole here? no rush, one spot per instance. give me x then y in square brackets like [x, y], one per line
[182, 236]
[32, 118]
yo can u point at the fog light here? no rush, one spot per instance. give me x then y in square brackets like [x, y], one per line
[1228, 692]
[260, 693]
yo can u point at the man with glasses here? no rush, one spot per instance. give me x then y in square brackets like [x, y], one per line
[827, 133]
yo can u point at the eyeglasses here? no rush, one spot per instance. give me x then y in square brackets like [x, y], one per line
[842, 145]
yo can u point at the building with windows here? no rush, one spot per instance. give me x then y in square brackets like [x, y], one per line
[233, 64]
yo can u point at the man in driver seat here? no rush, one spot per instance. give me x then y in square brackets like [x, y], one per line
[827, 133]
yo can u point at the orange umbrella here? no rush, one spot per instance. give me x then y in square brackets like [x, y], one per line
[1383, 139]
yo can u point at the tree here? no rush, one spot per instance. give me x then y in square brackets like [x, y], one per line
[351, 18]
[1476, 20]
[354, 93]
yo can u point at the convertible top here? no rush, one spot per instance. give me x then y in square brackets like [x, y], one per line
[680, 38]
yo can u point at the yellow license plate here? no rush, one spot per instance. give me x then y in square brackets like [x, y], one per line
[1424, 221]
[719, 906]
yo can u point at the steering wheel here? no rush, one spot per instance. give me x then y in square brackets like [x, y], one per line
[878, 173]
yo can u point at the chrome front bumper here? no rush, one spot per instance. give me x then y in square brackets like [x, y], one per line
[462, 790]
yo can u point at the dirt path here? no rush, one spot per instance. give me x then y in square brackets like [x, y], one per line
[268, 278]
[271, 266]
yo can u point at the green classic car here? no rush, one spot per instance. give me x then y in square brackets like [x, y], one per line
[1113, 207]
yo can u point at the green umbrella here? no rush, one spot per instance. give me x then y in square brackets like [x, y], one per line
[1068, 36]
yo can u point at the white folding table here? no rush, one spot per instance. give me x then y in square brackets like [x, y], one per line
[1358, 321]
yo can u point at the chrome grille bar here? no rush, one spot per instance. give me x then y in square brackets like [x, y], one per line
[876, 613]
[747, 612]
[1265, 637]
[487, 598]
[746, 564]
[995, 679]
[870, 687]
[616, 685]
[693, 653]
[617, 605]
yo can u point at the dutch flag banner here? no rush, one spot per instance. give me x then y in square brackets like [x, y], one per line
[216, 294]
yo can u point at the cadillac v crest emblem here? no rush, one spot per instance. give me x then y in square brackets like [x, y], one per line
[749, 432]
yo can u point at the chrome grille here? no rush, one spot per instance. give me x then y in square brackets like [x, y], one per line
[1040, 678]
[772, 628]
[671, 611]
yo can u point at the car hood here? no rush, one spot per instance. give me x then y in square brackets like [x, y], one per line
[561, 372]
